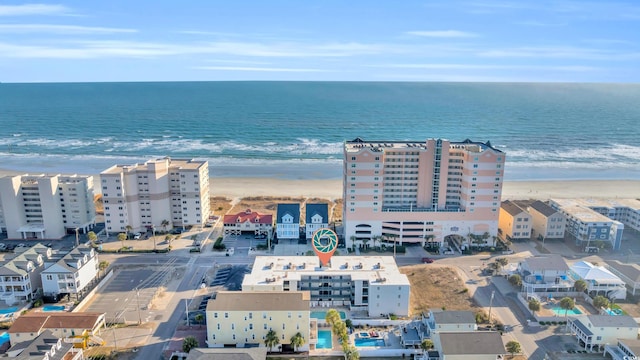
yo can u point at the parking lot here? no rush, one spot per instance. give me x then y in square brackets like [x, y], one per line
[129, 290]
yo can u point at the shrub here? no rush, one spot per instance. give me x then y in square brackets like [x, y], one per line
[37, 303]
[218, 245]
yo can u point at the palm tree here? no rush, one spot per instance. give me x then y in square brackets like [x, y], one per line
[350, 352]
[164, 224]
[567, 304]
[168, 238]
[580, 285]
[365, 241]
[189, 343]
[129, 229]
[534, 306]
[500, 263]
[102, 265]
[297, 340]
[429, 240]
[92, 237]
[600, 302]
[199, 318]
[332, 317]
[122, 237]
[353, 239]
[271, 339]
[376, 240]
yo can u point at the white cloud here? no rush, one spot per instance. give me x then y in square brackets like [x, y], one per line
[560, 52]
[60, 29]
[33, 9]
[576, 68]
[443, 34]
[259, 69]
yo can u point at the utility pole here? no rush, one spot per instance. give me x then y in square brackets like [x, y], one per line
[186, 306]
[153, 230]
[138, 305]
[77, 239]
[115, 342]
[493, 292]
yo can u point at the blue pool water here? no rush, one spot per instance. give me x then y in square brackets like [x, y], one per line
[53, 308]
[4, 338]
[323, 314]
[324, 339]
[560, 311]
[8, 311]
[369, 342]
[613, 312]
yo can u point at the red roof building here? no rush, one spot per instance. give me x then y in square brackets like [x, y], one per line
[248, 221]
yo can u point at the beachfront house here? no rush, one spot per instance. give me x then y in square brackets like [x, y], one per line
[547, 222]
[46, 206]
[243, 319]
[598, 330]
[476, 345]
[624, 349]
[248, 222]
[288, 221]
[317, 217]
[425, 192]
[514, 222]
[629, 273]
[228, 354]
[587, 226]
[46, 346]
[544, 275]
[63, 324]
[70, 274]
[600, 281]
[20, 276]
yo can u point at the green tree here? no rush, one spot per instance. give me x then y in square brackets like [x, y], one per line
[534, 306]
[129, 228]
[515, 280]
[349, 324]
[429, 240]
[501, 263]
[350, 352]
[365, 241]
[567, 303]
[103, 265]
[189, 343]
[426, 344]
[332, 316]
[164, 224]
[92, 237]
[297, 340]
[168, 238]
[271, 339]
[122, 237]
[580, 285]
[600, 302]
[199, 318]
[513, 347]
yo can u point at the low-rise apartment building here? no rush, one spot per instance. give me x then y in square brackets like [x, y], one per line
[439, 320]
[476, 345]
[46, 346]
[515, 223]
[156, 193]
[46, 206]
[600, 281]
[588, 225]
[70, 274]
[372, 284]
[248, 221]
[629, 273]
[421, 191]
[625, 349]
[64, 324]
[547, 222]
[243, 319]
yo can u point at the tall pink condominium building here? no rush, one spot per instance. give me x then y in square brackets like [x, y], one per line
[421, 191]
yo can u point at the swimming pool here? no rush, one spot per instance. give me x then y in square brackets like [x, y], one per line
[369, 342]
[53, 308]
[8, 311]
[613, 312]
[321, 315]
[4, 338]
[560, 311]
[324, 339]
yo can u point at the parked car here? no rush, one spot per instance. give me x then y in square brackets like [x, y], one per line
[11, 247]
[427, 260]
[137, 236]
[176, 231]
[21, 245]
[3, 246]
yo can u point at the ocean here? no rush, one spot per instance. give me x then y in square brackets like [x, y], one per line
[295, 130]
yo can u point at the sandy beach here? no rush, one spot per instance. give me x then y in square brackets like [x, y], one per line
[332, 189]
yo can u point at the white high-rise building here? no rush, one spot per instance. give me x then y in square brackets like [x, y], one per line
[161, 193]
[46, 206]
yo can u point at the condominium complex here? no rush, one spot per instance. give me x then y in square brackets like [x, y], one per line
[156, 193]
[417, 191]
[46, 206]
[370, 284]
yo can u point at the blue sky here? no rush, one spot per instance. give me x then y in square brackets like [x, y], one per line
[355, 40]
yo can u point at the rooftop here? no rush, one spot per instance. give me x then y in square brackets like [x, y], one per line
[184, 164]
[35, 321]
[543, 208]
[472, 343]
[578, 209]
[260, 301]
[512, 208]
[258, 353]
[453, 317]
[249, 216]
[291, 209]
[546, 262]
[380, 145]
[271, 270]
[587, 271]
[320, 209]
[612, 321]
[632, 271]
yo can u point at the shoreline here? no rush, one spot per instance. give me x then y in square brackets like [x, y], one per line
[236, 187]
